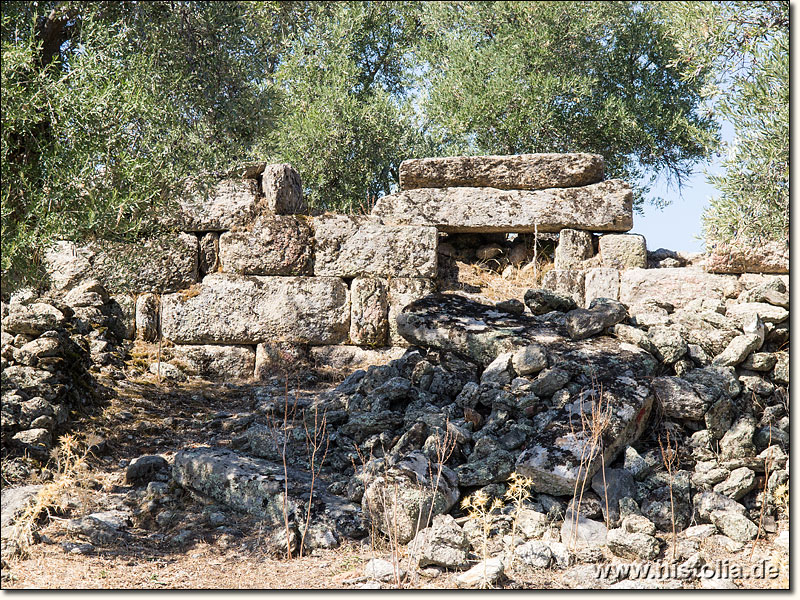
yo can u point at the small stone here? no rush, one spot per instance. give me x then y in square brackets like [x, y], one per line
[627, 251]
[528, 360]
[512, 305]
[378, 569]
[738, 484]
[633, 545]
[706, 503]
[499, 371]
[145, 469]
[734, 525]
[535, 554]
[738, 350]
[541, 301]
[601, 314]
[484, 574]
[669, 344]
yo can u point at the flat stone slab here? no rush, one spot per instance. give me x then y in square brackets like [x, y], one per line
[604, 206]
[677, 286]
[239, 309]
[515, 172]
[349, 246]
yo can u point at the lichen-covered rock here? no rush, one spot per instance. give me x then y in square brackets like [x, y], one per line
[443, 544]
[737, 350]
[780, 374]
[773, 291]
[767, 257]
[541, 301]
[735, 525]
[402, 500]
[633, 545]
[230, 309]
[529, 360]
[402, 292]
[219, 206]
[283, 190]
[604, 206]
[567, 283]
[535, 554]
[209, 254]
[350, 246]
[766, 312]
[668, 343]
[275, 357]
[369, 311]
[215, 361]
[33, 319]
[737, 484]
[601, 314]
[276, 245]
[553, 456]
[515, 172]
[678, 398]
[601, 282]
[677, 286]
[623, 251]
[573, 248]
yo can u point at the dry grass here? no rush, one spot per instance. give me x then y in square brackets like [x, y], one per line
[496, 281]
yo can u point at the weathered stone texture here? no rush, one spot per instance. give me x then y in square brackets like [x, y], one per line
[677, 286]
[573, 248]
[156, 265]
[605, 206]
[283, 190]
[768, 257]
[147, 308]
[276, 357]
[623, 251]
[567, 282]
[353, 357]
[402, 292]
[230, 309]
[369, 316]
[277, 245]
[209, 254]
[220, 206]
[347, 246]
[601, 282]
[516, 172]
[214, 361]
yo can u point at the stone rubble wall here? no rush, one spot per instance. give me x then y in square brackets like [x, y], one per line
[253, 279]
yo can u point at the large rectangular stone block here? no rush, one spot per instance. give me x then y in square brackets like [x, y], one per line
[677, 286]
[601, 282]
[604, 206]
[276, 245]
[237, 309]
[155, 265]
[369, 309]
[402, 292]
[348, 246]
[516, 172]
[215, 361]
[219, 206]
[768, 257]
[566, 281]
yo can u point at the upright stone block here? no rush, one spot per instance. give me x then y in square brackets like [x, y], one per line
[601, 282]
[623, 251]
[369, 306]
[604, 206]
[348, 246]
[231, 309]
[515, 172]
[573, 248]
[219, 206]
[147, 308]
[283, 190]
[402, 292]
[567, 282]
[276, 245]
[209, 254]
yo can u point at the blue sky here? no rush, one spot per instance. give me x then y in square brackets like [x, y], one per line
[677, 226]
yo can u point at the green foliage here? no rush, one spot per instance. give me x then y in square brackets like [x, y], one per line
[107, 107]
[513, 77]
[741, 51]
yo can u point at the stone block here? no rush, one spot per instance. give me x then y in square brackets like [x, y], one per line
[567, 282]
[623, 251]
[767, 257]
[235, 309]
[402, 292]
[276, 245]
[677, 286]
[604, 206]
[601, 282]
[214, 361]
[273, 358]
[350, 358]
[369, 312]
[209, 254]
[219, 206]
[349, 246]
[147, 307]
[515, 172]
[283, 190]
[573, 248]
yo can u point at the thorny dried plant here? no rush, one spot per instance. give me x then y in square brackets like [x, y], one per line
[594, 423]
[517, 494]
[671, 460]
[480, 508]
[314, 445]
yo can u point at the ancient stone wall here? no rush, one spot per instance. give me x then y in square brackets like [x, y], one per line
[254, 279]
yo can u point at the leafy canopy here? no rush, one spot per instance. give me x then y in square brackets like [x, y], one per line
[108, 107]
